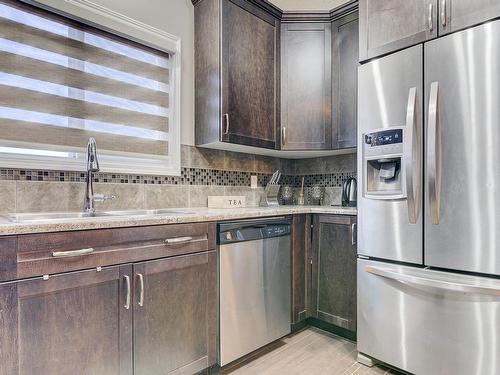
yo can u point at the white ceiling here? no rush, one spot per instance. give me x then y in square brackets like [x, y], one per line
[308, 5]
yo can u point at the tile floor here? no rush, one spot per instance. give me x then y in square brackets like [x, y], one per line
[312, 352]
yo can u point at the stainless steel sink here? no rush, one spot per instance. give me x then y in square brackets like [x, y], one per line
[48, 216]
[44, 216]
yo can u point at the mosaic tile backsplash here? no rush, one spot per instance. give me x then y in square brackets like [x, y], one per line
[204, 172]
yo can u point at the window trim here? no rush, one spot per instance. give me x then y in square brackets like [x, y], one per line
[103, 18]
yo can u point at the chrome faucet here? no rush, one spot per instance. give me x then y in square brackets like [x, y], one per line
[92, 167]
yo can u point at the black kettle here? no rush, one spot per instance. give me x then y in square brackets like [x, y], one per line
[349, 192]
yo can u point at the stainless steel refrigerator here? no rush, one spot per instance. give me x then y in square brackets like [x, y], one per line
[429, 206]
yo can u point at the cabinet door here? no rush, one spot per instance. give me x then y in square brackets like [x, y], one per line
[301, 268]
[334, 270]
[458, 14]
[306, 122]
[249, 75]
[74, 323]
[388, 25]
[175, 315]
[345, 81]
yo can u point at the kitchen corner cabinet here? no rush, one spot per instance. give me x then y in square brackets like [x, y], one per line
[345, 45]
[301, 268]
[387, 26]
[334, 270]
[237, 74]
[306, 86]
[459, 14]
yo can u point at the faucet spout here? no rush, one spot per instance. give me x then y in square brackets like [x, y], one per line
[92, 167]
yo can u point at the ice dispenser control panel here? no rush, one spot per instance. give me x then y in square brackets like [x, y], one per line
[383, 142]
[385, 137]
[383, 170]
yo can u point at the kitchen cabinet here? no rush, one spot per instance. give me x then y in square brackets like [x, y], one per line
[390, 25]
[345, 81]
[334, 270]
[306, 86]
[175, 315]
[458, 14]
[138, 300]
[301, 268]
[237, 74]
[71, 323]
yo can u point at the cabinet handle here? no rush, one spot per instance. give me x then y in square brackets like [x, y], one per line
[283, 136]
[353, 234]
[443, 12]
[140, 302]
[127, 296]
[72, 253]
[226, 118]
[178, 239]
[430, 19]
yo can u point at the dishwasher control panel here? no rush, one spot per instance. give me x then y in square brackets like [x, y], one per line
[252, 231]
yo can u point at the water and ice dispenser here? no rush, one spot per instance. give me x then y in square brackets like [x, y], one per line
[383, 164]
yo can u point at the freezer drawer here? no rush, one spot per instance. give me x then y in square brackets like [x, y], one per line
[428, 322]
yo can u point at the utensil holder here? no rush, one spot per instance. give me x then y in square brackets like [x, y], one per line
[270, 197]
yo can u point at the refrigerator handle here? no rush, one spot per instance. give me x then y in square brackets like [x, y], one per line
[413, 157]
[425, 281]
[434, 154]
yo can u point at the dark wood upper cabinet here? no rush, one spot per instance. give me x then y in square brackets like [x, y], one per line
[306, 86]
[388, 25]
[334, 270]
[458, 14]
[345, 81]
[175, 318]
[237, 73]
[74, 323]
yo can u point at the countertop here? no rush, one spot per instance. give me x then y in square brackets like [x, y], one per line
[184, 215]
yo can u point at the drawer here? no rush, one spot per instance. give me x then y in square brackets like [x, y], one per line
[428, 322]
[48, 253]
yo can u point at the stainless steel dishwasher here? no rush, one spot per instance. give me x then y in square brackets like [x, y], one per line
[254, 285]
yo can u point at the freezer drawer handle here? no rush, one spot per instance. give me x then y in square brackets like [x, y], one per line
[413, 164]
[429, 282]
[434, 155]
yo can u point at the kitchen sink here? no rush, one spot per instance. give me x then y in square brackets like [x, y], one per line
[48, 216]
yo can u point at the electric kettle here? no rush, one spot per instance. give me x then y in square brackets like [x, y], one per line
[349, 192]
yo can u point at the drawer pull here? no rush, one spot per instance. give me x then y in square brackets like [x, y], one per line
[178, 240]
[72, 253]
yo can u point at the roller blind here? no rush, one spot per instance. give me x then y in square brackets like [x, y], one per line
[62, 82]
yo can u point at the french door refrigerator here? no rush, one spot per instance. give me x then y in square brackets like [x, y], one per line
[429, 206]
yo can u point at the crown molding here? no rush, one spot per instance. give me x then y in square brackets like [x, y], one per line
[302, 16]
[263, 4]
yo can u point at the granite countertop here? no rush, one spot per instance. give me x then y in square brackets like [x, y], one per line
[184, 215]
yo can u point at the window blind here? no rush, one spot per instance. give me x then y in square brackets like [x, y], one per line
[62, 82]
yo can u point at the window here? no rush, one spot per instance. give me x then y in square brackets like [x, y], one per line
[62, 82]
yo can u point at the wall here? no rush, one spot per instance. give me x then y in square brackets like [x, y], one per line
[204, 173]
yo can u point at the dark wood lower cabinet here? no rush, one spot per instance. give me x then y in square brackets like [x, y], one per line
[148, 318]
[334, 270]
[301, 268]
[73, 323]
[175, 316]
